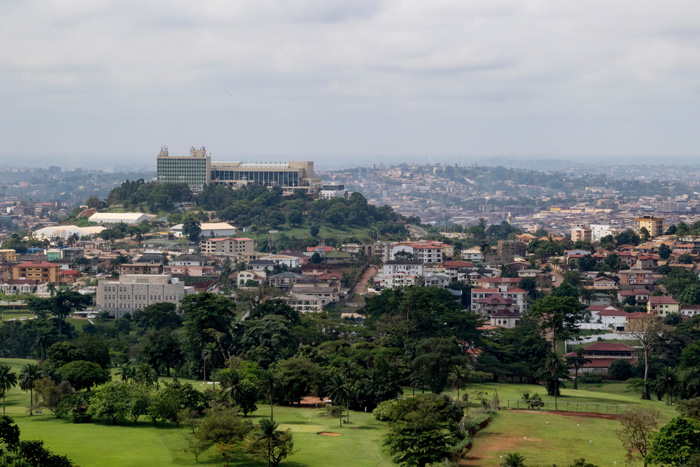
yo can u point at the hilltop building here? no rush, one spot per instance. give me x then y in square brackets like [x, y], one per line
[197, 170]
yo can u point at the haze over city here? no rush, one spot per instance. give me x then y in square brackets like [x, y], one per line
[347, 83]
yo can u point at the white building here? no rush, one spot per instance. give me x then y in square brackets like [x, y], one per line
[120, 217]
[331, 190]
[599, 231]
[209, 229]
[134, 292]
[518, 297]
[605, 317]
[65, 231]
[414, 268]
[473, 254]
[289, 261]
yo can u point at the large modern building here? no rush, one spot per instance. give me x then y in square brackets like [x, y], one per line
[134, 292]
[197, 169]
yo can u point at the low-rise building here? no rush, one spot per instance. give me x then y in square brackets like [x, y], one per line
[140, 268]
[602, 354]
[636, 277]
[120, 217]
[40, 271]
[662, 305]
[8, 256]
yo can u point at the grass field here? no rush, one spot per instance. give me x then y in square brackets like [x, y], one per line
[545, 438]
[93, 444]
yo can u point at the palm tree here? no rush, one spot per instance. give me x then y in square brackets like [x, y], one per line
[128, 372]
[552, 369]
[513, 459]
[269, 434]
[458, 377]
[230, 380]
[144, 374]
[577, 361]
[338, 390]
[270, 384]
[207, 355]
[30, 373]
[666, 383]
[8, 380]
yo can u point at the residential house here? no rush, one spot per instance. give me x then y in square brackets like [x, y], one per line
[505, 319]
[605, 317]
[662, 305]
[473, 254]
[636, 277]
[636, 296]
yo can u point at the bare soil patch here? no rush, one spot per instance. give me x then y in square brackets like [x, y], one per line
[328, 433]
[494, 442]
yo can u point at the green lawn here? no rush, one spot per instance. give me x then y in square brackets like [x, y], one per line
[545, 438]
[127, 445]
[551, 438]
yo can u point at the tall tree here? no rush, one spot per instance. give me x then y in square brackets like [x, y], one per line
[270, 385]
[8, 380]
[577, 361]
[339, 391]
[558, 316]
[30, 373]
[458, 378]
[647, 332]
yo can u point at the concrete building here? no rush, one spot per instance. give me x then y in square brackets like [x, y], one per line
[134, 292]
[241, 247]
[598, 231]
[36, 271]
[636, 277]
[120, 217]
[65, 231]
[197, 170]
[654, 225]
[330, 191]
[209, 229]
[581, 233]
[602, 354]
[8, 256]
[662, 305]
[194, 170]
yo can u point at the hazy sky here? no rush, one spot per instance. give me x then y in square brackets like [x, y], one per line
[331, 79]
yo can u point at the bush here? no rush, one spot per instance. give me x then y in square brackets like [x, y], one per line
[384, 410]
[591, 378]
[620, 370]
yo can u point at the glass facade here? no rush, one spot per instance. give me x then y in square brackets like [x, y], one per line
[260, 177]
[189, 170]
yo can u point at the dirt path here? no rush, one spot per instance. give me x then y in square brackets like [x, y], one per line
[361, 286]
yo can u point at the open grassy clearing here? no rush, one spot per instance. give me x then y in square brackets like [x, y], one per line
[547, 438]
[128, 445]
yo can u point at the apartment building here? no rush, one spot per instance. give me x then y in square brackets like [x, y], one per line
[40, 271]
[581, 233]
[636, 277]
[654, 225]
[239, 248]
[8, 256]
[517, 297]
[134, 292]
